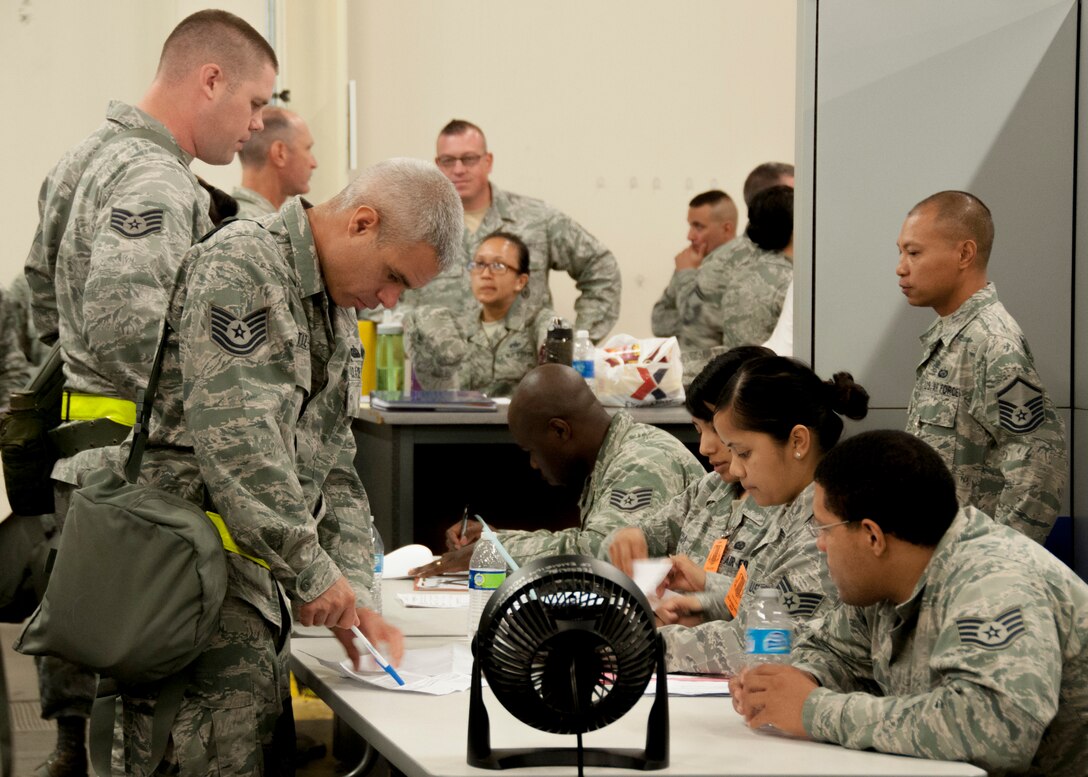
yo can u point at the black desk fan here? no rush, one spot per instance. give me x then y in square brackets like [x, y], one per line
[568, 645]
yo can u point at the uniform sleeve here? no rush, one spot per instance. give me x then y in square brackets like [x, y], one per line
[142, 231]
[345, 530]
[995, 672]
[1029, 438]
[41, 271]
[236, 401]
[14, 368]
[436, 344]
[630, 490]
[595, 271]
[751, 303]
[700, 307]
[665, 318]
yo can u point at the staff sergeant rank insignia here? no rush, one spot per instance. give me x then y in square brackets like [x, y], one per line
[239, 336]
[992, 634]
[1020, 406]
[132, 225]
[629, 501]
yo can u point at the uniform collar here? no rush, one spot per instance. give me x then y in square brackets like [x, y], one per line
[242, 194]
[131, 117]
[303, 251]
[969, 522]
[500, 203]
[946, 329]
[618, 428]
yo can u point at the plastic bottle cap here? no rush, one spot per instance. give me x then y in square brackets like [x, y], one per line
[582, 333]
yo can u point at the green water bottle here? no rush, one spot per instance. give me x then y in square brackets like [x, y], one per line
[390, 357]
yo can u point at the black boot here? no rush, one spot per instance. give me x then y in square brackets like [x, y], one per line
[70, 757]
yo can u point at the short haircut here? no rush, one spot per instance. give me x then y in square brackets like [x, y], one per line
[770, 218]
[523, 249]
[776, 393]
[460, 127]
[895, 480]
[708, 384]
[219, 37]
[415, 204]
[278, 125]
[712, 197]
[966, 216]
[765, 175]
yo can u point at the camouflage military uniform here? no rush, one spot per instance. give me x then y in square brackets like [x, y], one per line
[986, 662]
[22, 321]
[638, 469]
[556, 242]
[665, 317]
[734, 298]
[451, 349]
[776, 550]
[268, 378]
[101, 286]
[979, 402]
[14, 369]
[250, 203]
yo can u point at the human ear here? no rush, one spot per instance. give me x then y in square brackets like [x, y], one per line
[211, 78]
[364, 219]
[277, 152]
[800, 441]
[559, 428]
[875, 539]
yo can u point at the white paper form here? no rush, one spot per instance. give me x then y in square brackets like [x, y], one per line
[691, 685]
[436, 671]
[433, 601]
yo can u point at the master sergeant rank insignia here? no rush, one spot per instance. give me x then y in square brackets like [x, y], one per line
[132, 225]
[1020, 406]
[992, 634]
[629, 501]
[239, 336]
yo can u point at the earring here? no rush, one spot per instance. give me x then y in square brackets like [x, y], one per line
[797, 455]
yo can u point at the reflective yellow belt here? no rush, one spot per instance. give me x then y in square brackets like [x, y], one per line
[228, 542]
[91, 407]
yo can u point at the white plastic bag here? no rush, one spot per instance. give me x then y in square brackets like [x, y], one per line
[635, 373]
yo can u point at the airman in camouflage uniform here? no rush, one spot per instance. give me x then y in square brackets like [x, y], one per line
[117, 214]
[261, 389]
[776, 551]
[14, 369]
[277, 163]
[978, 399]
[980, 655]
[555, 240]
[451, 349]
[250, 204]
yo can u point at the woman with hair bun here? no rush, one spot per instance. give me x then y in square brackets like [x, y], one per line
[778, 419]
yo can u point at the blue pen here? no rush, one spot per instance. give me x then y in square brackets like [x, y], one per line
[377, 656]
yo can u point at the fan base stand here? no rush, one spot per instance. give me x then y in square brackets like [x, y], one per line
[567, 756]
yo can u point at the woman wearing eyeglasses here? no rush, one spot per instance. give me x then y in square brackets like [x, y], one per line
[776, 418]
[490, 346]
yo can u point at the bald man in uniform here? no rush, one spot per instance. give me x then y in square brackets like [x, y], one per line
[277, 163]
[626, 469]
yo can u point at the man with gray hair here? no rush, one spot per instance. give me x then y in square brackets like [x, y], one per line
[254, 423]
[277, 163]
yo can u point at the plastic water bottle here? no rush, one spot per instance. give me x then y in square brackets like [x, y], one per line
[584, 357]
[378, 554]
[486, 572]
[390, 356]
[768, 629]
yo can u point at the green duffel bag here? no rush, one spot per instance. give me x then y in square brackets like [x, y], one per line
[136, 586]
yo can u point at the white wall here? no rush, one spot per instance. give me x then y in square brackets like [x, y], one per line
[615, 111]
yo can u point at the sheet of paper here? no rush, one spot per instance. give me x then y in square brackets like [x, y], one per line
[648, 573]
[455, 582]
[399, 561]
[691, 685]
[433, 601]
[434, 671]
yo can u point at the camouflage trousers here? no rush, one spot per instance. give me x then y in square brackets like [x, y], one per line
[65, 689]
[235, 717]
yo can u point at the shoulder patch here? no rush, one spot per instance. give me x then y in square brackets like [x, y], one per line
[132, 225]
[995, 634]
[239, 336]
[634, 499]
[802, 603]
[1020, 406]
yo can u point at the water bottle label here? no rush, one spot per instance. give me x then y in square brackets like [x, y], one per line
[584, 368]
[379, 563]
[481, 580]
[775, 642]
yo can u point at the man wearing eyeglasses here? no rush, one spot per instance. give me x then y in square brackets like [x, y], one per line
[957, 638]
[555, 240]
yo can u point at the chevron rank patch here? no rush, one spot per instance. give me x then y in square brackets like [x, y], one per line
[995, 634]
[1020, 406]
[239, 336]
[629, 501]
[801, 603]
[133, 225]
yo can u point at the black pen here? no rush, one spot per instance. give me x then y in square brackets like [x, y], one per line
[464, 522]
